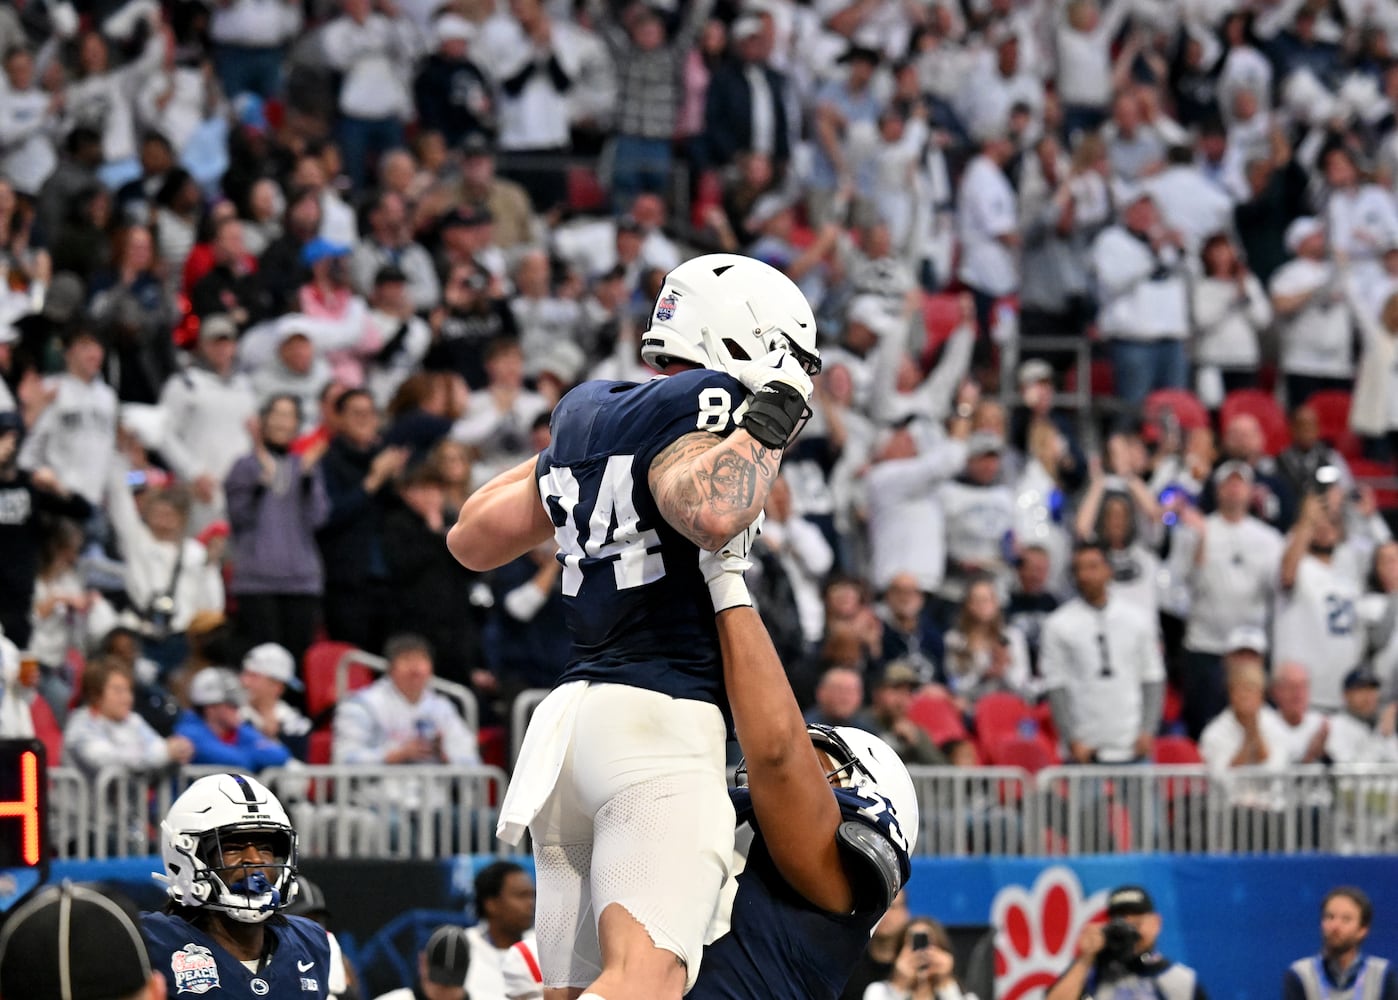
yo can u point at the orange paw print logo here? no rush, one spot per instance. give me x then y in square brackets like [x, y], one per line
[1038, 931]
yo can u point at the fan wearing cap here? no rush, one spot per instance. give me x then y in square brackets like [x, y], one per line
[268, 670]
[980, 516]
[1316, 617]
[441, 968]
[1249, 733]
[70, 942]
[746, 104]
[1313, 316]
[473, 314]
[1363, 733]
[207, 407]
[389, 243]
[228, 857]
[1118, 959]
[451, 92]
[214, 724]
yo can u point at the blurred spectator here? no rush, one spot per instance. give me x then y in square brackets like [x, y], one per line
[207, 409]
[983, 654]
[989, 227]
[1362, 733]
[249, 41]
[1299, 462]
[1378, 612]
[347, 336]
[357, 473]
[389, 243]
[921, 972]
[507, 203]
[1101, 666]
[497, 418]
[280, 270]
[1248, 733]
[1144, 304]
[169, 576]
[27, 125]
[1373, 412]
[276, 501]
[1233, 560]
[795, 551]
[1361, 219]
[747, 108]
[130, 303]
[75, 174]
[1316, 620]
[104, 732]
[1244, 441]
[75, 436]
[372, 49]
[504, 901]
[1230, 311]
[472, 316]
[296, 370]
[231, 286]
[1109, 516]
[214, 725]
[1083, 43]
[426, 583]
[980, 513]
[1306, 729]
[1313, 315]
[452, 94]
[909, 631]
[268, 670]
[1031, 600]
[24, 496]
[887, 716]
[406, 337]
[67, 615]
[839, 697]
[399, 719]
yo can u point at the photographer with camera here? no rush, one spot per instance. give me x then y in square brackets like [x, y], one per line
[1117, 960]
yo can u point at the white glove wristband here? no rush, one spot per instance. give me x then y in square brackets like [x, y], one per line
[729, 590]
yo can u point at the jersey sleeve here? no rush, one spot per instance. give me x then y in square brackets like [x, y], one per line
[692, 401]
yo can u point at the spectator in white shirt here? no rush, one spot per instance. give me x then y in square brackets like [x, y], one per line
[76, 433]
[207, 408]
[1084, 50]
[1361, 218]
[988, 227]
[1317, 619]
[542, 317]
[105, 732]
[268, 670]
[1306, 729]
[1144, 309]
[980, 519]
[983, 654]
[504, 899]
[406, 336]
[1234, 559]
[1100, 661]
[1313, 316]
[183, 103]
[374, 52]
[102, 97]
[498, 418]
[249, 41]
[1231, 312]
[1249, 733]
[1362, 733]
[28, 116]
[389, 243]
[1194, 204]
[1135, 149]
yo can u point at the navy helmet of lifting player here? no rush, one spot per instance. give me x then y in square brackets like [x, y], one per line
[869, 768]
[722, 311]
[215, 810]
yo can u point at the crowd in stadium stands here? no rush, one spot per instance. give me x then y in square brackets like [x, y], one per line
[1103, 449]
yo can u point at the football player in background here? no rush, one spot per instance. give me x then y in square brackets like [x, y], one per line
[827, 819]
[229, 853]
[621, 779]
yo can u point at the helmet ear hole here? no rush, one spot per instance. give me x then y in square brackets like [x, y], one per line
[735, 350]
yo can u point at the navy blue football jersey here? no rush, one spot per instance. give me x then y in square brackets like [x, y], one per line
[779, 946]
[634, 599]
[298, 967]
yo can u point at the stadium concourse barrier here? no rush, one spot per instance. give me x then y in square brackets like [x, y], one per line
[434, 811]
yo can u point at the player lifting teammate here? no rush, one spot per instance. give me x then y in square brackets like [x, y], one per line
[621, 777]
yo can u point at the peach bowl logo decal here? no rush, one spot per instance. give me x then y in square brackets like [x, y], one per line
[1037, 931]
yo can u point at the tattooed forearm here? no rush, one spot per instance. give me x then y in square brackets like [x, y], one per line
[711, 489]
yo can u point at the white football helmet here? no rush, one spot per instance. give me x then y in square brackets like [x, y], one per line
[722, 310]
[218, 808]
[867, 765]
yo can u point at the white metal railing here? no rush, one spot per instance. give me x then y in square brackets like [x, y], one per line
[440, 810]
[391, 811]
[521, 711]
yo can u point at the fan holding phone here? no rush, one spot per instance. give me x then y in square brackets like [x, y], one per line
[924, 969]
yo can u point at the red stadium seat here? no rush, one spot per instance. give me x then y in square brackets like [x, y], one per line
[1265, 408]
[1033, 753]
[319, 749]
[1186, 407]
[318, 672]
[47, 730]
[1176, 750]
[939, 718]
[941, 315]
[1101, 376]
[585, 191]
[1332, 412]
[1000, 716]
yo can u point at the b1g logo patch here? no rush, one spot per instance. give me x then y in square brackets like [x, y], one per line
[665, 308]
[195, 970]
